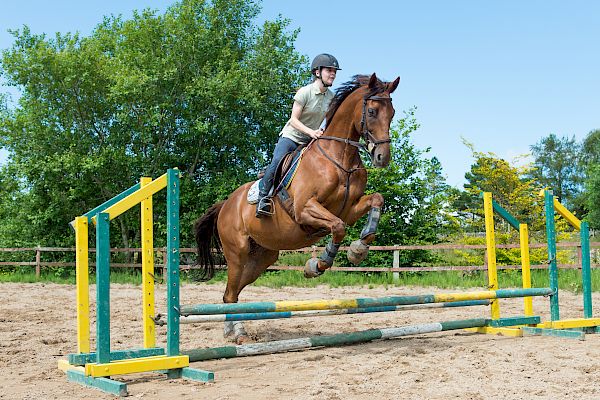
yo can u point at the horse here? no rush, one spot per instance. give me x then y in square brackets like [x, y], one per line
[327, 194]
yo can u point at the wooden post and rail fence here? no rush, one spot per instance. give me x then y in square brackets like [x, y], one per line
[36, 255]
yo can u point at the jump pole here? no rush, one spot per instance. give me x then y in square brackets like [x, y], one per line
[194, 319]
[303, 305]
[339, 339]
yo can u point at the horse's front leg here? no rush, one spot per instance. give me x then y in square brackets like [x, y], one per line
[372, 203]
[317, 216]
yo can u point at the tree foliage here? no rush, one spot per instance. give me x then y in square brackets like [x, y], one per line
[557, 167]
[416, 209]
[510, 187]
[201, 88]
[591, 163]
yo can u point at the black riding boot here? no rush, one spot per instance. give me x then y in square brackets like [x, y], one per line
[264, 207]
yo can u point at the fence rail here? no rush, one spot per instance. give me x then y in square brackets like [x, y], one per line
[395, 267]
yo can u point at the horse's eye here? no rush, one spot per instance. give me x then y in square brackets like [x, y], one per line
[372, 112]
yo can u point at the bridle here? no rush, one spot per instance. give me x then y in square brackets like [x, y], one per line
[366, 134]
[370, 142]
[370, 146]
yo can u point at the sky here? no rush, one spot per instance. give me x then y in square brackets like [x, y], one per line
[498, 74]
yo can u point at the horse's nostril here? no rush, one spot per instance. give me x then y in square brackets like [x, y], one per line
[379, 157]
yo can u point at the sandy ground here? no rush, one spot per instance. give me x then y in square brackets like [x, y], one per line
[38, 328]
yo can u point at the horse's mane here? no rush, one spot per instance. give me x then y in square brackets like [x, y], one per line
[347, 88]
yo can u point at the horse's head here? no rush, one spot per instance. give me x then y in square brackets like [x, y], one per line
[376, 113]
[363, 108]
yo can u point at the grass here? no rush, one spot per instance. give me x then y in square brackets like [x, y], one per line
[569, 280]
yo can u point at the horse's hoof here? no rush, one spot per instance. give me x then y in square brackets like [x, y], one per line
[244, 339]
[358, 251]
[311, 268]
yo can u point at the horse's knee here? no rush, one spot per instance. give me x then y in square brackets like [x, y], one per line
[338, 231]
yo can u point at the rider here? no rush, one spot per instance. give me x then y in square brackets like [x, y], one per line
[308, 112]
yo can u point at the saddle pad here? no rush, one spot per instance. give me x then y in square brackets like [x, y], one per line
[252, 196]
[291, 172]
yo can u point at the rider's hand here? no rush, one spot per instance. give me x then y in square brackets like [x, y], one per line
[315, 134]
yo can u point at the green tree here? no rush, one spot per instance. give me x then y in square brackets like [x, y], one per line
[510, 186]
[591, 164]
[590, 150]
[593, 196]
[557, 167]
[516, 191]
[416, 209]
[201, 88]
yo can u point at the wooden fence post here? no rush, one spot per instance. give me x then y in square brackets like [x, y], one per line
[38, 260]
[396, 264]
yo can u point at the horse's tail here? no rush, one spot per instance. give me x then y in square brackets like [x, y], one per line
[207, 238]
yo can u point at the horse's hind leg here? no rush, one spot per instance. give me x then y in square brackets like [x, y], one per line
[244, 266]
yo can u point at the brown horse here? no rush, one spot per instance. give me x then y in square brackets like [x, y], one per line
[327, 194]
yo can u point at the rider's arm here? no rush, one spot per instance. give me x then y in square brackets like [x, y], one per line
[299, 126]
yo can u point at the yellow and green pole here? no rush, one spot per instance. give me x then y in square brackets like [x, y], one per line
[490, 242]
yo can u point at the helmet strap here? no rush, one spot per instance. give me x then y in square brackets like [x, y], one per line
[321, 78]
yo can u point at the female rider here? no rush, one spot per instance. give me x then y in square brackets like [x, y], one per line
[308, 112]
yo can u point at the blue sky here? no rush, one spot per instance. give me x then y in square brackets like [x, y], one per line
[501, 74]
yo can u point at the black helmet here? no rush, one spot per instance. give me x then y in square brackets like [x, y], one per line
[324, 61]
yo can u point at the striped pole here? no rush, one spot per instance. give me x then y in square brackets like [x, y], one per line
[329, 340]
[194, 319]
[237, 308]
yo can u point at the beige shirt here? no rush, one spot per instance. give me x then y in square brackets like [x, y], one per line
[314, 107]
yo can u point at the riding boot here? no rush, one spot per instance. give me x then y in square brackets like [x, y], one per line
[264, 207]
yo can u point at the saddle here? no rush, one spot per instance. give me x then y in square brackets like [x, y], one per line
[282, 179]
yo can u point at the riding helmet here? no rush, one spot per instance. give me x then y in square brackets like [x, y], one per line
[324, 61]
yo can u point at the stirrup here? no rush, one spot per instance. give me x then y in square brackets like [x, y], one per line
[265, 207]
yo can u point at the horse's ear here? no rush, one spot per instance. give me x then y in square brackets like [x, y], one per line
[373, 81]
[394, 85]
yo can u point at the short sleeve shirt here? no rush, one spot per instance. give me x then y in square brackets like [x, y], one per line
[314, 107]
